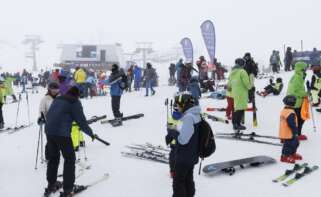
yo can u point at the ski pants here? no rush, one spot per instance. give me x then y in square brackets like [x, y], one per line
[149, 84]
[57, 144]
[269, 89]
[290, 146]
[237, 117]
[230, 106]
[136, 84]
[300, 120]
[115, 105]
[1, 115]
[183, 183]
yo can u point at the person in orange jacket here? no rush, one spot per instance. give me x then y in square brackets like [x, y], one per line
[288, 131]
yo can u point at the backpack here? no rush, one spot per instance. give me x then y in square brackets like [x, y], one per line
[207, 145]
[123, 82]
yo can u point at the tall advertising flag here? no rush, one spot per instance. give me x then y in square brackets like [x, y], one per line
[187, 49]
[208, 33]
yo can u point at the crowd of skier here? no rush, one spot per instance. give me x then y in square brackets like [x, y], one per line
[61, 110]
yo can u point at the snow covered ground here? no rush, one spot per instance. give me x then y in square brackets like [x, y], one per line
[137, 178]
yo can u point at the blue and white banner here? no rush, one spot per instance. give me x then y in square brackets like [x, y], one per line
[208, 33]
[187, 49]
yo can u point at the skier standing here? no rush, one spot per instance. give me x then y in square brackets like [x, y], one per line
[137, 77]
[62, 112]
[297, 89]
[275, 61]
[239, 84]
[184, 142]
[45, 103]
[116, 92]
[149, 76]
[316, 86]
[288, 59]
[252, 70]
[288, 131]
[80, 78]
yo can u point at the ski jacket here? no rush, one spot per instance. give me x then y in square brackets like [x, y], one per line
[62, 112]
[239, 84]
[149, 74]
[288, 124]
[194, 88]
[8, 85]
[186, 151]
[137, 74]
[45, 104]
[2, 93]
[114, 81]
[288, 57]
[80, 76]
[316, 82]
[296, 84]
[278, 88]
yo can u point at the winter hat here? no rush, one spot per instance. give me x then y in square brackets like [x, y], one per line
[114, 67]
[53, 85]
[289, 100]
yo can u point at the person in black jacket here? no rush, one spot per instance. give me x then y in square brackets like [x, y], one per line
[63, 111]
[288, 59]
[184, 141]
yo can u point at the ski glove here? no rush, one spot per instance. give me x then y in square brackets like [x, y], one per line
[41, 121]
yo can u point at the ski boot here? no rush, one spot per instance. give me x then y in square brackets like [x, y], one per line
[297, 156]
[117, 122]
[1, 125]
[287, 159]
[302, 137]
[238, 127]
[52, 188]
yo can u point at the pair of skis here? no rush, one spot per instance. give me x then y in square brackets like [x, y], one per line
[148, 152]
[112, 121]
[248, 137]
[215, 118]
[11, 130]
[299, 171]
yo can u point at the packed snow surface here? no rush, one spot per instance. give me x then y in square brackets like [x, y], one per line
[136, 178]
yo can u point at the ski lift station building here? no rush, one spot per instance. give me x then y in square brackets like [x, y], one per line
[91, 56]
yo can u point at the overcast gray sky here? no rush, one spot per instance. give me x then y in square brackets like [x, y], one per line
[258, 26]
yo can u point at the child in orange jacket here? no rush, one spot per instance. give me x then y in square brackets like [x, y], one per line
[288, 131]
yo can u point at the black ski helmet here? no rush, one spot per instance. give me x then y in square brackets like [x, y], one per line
[184, 100]
[240, 61]
[289, 100]
[279, 80]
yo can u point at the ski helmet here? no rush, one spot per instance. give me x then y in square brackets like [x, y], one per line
[279, 80]
[184, 100]
[240, 61]
[289, 100]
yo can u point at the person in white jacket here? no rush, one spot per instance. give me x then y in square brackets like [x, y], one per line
[45, 103]
[53, 91]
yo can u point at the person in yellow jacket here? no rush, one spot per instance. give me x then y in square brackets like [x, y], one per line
[2, 95]
[80, 77]
[288, 131]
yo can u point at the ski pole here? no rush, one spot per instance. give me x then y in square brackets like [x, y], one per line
[37, 149]
[28, 107]
[310, 104]
[166, 104]
[171, 106]
[85, 152]
[101, 140]
[41, 143]
[18, 110]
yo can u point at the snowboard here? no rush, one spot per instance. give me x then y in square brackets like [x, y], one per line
[229, 166]
[135, 116]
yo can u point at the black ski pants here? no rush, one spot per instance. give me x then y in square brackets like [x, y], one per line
[290, 146]
[300, 120]
[57, 144]
[183, 183]
[115, 105]
[237, 117]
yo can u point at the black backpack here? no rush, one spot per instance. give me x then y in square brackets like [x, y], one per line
[207, 144]
[123, 82]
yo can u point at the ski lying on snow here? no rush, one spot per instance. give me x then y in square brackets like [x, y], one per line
[11, 130]
[80, 188]
[135, 116]
[146, 156]
[307, 170]
[253, 134]
[288, 173]
[248, 139]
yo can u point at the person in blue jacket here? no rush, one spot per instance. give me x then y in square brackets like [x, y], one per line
[62, 112]
[137, 77]
[116, 92]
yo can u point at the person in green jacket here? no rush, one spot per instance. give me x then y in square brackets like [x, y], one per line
[297, 89]
[8, 80]
[239, 84]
